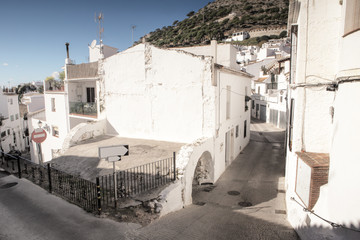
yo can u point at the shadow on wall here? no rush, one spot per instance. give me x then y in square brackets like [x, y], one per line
[319, 232]
[109, 129]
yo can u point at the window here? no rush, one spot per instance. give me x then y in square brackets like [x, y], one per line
[294, 33]
[12, 118]
[53, 108]
[259, 90]
[55, 131]
[17, 116]
[90, 95]
[228, 101]
[291, 122]
[11, 101]
[252, 104]
[245, 122]
[352, 17]
[8, 132]
[237, 131]
[3, 134]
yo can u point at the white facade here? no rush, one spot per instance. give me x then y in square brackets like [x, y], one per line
[238, 36]
[324, 87]
[11, 130]
[95, 55]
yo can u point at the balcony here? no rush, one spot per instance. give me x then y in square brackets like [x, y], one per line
[87, 109]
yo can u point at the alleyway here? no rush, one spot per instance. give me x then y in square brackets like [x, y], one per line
[247, 202]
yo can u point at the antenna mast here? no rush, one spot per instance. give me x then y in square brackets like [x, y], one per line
[100, 20]
[133, 28]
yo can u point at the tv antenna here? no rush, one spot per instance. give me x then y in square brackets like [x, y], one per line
[100, 20]
[132, 32]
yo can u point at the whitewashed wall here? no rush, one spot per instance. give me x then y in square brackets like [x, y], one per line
[314, 128]
[163, 90]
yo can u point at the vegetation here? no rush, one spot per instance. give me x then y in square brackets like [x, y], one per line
[258, 41]
[220, 19]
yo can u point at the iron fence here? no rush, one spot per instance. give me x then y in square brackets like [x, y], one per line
[71, 188]
[93, 197]
[136, 180]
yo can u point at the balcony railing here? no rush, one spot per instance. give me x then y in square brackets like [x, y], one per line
[88, 109]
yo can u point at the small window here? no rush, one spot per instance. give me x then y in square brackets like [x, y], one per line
[3, 134]
[291, 123]
[228, 101]
[55, 131]
[12, 118]
[17, 116]
[8, 132]
[53, 108]
[245, 128]
[237, 131]
[11, 101]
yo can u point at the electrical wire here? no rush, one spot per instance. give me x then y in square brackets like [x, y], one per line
[334, 225]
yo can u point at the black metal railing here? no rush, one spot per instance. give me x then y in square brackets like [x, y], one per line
[82, 108]
[136, 180]
[71, 188]
[93, 197]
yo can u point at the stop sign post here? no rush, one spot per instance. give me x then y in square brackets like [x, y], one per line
[39, 135]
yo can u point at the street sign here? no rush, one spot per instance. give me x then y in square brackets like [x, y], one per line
[38, 135]
[113, 151]
[114, 159]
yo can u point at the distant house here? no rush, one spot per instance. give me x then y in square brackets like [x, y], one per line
[238, 36]
[322, 155]
[11, 126]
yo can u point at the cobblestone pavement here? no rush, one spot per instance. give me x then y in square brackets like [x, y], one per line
[247, 202]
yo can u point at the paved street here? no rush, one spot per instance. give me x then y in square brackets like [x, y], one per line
[247, 202]
[254, 178]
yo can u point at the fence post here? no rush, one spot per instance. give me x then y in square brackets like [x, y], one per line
[18, 163]
[49, 177]
[174, 158]
[98, 191]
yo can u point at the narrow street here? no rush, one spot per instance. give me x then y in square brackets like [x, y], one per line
[247, 202]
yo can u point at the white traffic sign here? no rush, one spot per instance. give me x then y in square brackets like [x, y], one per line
[113, 151]
[114, 159]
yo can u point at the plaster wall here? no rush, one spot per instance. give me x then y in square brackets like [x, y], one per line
[226, 53]
[53, 119]
[168, 90]
[36, 102]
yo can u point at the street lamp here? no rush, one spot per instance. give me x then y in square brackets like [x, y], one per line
[40, 123]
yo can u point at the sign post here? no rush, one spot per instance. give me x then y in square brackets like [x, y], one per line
[113, 154]
[39, 135]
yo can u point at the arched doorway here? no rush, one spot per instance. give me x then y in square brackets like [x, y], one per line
[203, 177]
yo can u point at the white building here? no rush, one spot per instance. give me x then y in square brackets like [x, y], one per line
[238, 36]
[11, 128]
[191, 95]
[322, 162]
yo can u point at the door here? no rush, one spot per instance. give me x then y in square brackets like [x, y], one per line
[229, 147]
[263, 113]
[90, 94]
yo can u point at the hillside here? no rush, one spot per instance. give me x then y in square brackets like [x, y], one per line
[219, 19]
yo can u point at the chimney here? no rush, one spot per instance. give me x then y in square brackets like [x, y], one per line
[67, 50]
[67, 61]
[214, 50]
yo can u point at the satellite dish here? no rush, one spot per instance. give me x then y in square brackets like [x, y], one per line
[93, 44]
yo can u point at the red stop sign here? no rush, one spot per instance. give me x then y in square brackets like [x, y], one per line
[38, 135]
